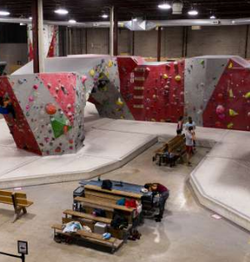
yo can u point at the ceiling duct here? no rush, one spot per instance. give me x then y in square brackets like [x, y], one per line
[177, 7]
[139, 25]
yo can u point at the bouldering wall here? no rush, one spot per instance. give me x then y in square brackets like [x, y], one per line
[45, 112]
[214, 90]
[152, 91]
[106, 91]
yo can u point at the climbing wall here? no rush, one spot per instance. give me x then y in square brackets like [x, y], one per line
[201, 77]
[47, 116]
[229, 105]
[152, 91]
[106, 90]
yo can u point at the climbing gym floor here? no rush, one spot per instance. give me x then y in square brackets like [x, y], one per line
[188, 233]
[221, 181]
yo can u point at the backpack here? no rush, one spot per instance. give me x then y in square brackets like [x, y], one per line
[107, 184]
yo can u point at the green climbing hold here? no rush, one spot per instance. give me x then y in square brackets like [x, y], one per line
[58, 125]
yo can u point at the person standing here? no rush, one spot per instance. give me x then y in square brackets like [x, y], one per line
[157, 188]
[190, 137]
[179, 128]
[191, 123]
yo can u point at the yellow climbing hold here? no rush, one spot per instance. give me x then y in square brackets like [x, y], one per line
[230, 65]
[119, 102]
[230, 125]
[178, 78]
[247, 95]
[110, 63]
[232, 112]
[92, 72]
[231, 94]
[165, 76]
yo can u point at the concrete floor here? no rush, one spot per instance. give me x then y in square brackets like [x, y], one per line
[187, 232]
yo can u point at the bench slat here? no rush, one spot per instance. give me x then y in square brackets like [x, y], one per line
[5, 193]
[104, 204]
[87, 216]
[114, 192]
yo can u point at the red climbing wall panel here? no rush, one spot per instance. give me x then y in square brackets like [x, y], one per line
[152, 92]
[62, 88]
[18, 125]
[229, 106]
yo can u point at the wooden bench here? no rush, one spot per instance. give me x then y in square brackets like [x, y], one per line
[176, 146]
[84, 216]
[97, 193]
[17, 199]
[108, 207]
[112, 243]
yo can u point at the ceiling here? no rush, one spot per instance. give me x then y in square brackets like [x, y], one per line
[90, 10]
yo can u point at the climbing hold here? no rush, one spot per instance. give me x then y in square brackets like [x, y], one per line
[92, 72]
[35, 87]
[165, 76]
[202, 62]
[84, 78]
[50, 109]
[247, 95]
[119, 102]
[232, 112]
[220, 109]
[220, 96]
[178, 78]
[231, 94]
[230, 125]
[31, 99]
[230, 65]
[110, 63]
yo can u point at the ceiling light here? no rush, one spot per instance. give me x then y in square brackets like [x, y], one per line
[193, 12]
[134, 19]
[4, 13]
[212, 17]
[22, 24]
[30, 18]
[61, 11]
[105, 16]
[72, 21]
[164, 6]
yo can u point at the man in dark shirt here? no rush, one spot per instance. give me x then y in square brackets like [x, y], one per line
[158, 188]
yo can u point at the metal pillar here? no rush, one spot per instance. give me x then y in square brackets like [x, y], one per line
[111, 41]
[159, 44]
[132, 43]
[247, 40]
[115, 32]
[37, 32]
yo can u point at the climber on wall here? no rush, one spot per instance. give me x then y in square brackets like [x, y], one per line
[6, 107]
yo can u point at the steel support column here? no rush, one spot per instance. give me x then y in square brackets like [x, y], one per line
[111, 40]
[159, 44]
[37, 33]
[115, 32]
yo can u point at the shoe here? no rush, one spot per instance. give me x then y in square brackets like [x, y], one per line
[189, 164]
[158, 219]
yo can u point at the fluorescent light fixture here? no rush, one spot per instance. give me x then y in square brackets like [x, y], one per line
[30, 18]
[212, 17]
[61, 11]
[134, 19]
[164, 6]
[22, 24]
[193, 12]
[105, 16]
[4, 13]
[72, 21]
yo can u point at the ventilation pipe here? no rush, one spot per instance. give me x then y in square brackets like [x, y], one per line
[177, 7]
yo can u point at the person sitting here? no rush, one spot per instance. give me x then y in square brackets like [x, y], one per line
[163, 192]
